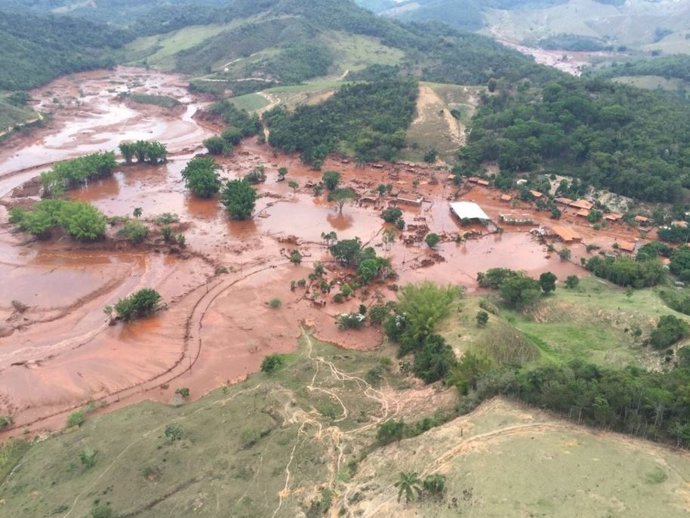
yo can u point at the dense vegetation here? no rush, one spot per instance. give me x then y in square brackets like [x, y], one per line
[240, 124]
[37, 49]
[676, 66]
[621, 138]
[81, 221]
[626, 271]
[145, 151]
[367, 120]
[70, 174]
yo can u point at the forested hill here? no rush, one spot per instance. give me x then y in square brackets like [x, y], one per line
[37, 48]
[628, 140]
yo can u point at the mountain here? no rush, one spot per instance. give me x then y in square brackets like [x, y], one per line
[646, 24]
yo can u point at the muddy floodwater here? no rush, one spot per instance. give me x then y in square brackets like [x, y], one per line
[57, 351]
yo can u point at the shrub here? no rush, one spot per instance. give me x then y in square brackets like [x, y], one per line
[435, 485]
[167, 233]
[351, 321]
[572, 282]
[5, 421]
[378, 313]
[217, 146]
[102, 511]
[275, 303]
[257, 175]
[482, 318]
[143, 303]
[390, 431]
[331, 179]
[134, 231]
[167, 218]
[88, 458]
[295, 257]
[272, 363]
[173, 432]
[183, 391]
[432, 240]
[435, 360]
[76, 419]
[669, 330]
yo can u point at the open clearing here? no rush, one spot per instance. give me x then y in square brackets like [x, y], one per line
[443, 112]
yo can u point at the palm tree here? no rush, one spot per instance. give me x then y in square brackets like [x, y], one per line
[408, 485]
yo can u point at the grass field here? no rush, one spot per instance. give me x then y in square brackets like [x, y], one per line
[159, 50]
[596, 322]
[653, 82]
[249, 102]
[353, 53]
[507, 460]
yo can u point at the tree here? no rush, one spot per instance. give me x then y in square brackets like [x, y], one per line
[341, 196]
[201, 178]
[520, 292]
[374, 267]
[409, 484]
[435, 485]
[432, 240]
[547, 281]
[347, 252]
[482, 318]
[239, 199]
[292, 184]
[135, 231]
[391, 214]
[331, 179]
[282, 172]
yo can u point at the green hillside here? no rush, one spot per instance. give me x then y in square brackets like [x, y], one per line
[35, 49]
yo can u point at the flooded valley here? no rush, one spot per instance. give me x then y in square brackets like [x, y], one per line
[57, 351]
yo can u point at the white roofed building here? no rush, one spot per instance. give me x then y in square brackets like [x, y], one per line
[467, 210]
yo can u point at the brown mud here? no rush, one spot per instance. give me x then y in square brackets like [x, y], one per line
[57, 351]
